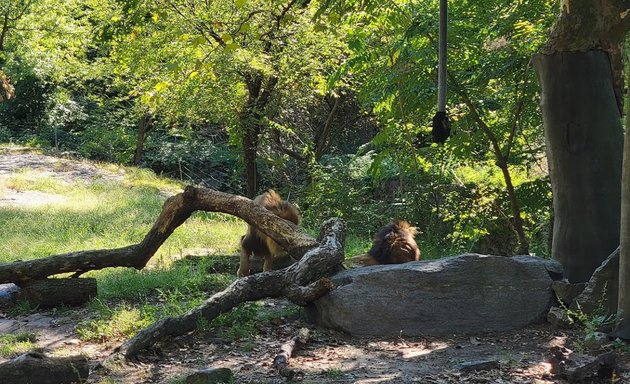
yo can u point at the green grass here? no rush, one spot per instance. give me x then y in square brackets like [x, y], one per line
[356, 245]
[15, 344]
[105, 214]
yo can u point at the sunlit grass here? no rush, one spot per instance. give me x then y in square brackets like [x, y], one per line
[16, 343]
[356, 245]
[122, 321]
[105, 214]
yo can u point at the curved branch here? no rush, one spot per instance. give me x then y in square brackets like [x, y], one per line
[174, 213]
[302, 283]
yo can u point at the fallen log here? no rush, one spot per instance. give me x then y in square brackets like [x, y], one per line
[175, 211]
[281, 361]
[49, 293]
[36, 368]
[302, 283]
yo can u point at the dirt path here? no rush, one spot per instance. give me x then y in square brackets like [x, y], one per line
[331, 357]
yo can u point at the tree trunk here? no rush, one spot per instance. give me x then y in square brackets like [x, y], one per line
[143, 129]
[517, 220]
[259, 91]
[50, 293]
[250, 154]
[584, 148]
[323, 136]
[623, 299]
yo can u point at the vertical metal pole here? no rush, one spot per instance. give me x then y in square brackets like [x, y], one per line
[442, 58]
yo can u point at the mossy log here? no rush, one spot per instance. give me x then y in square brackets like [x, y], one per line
[49, 293]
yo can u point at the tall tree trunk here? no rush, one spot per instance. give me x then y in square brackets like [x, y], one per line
[584, 141]
[623, 299]
[251, 130]
[259, 91]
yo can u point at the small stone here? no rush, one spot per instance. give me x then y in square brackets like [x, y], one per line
[211, 376]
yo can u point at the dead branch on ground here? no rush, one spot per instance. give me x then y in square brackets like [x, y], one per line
[281, 361]
[302, 283]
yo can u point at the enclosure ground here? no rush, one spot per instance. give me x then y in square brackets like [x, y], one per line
[329, 357]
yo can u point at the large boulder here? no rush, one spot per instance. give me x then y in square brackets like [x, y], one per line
[461, 294]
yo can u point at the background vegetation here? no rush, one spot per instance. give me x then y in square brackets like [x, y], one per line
[340, 120]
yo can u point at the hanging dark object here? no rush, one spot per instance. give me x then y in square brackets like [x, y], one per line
[441, 123]
[441, 127]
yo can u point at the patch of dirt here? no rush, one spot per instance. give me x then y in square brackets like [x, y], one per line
[334, 357]
[329, 357]
[18, 159]
[29, 198]
[15, 160]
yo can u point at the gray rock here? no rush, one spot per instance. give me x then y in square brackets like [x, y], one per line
[566, 291]
[461, 294]
[8, 294]
[601, 289]
[211, 376]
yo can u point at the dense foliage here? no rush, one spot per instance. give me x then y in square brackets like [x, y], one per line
[330, 102]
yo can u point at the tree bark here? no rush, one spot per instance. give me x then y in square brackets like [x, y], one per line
[302, 283]
[623, 299]
[584, 140]
[175, 211]
[251, 131]
[259, 94]
[323, 136]
[143, 128]
[281, 361]
[587, 25]
[49, 293]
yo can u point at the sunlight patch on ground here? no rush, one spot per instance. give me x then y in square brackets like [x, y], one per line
[411, 352]
[541, 369]
[30, 198]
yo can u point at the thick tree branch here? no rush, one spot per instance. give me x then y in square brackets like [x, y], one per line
[301, 283]
[175, 211]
